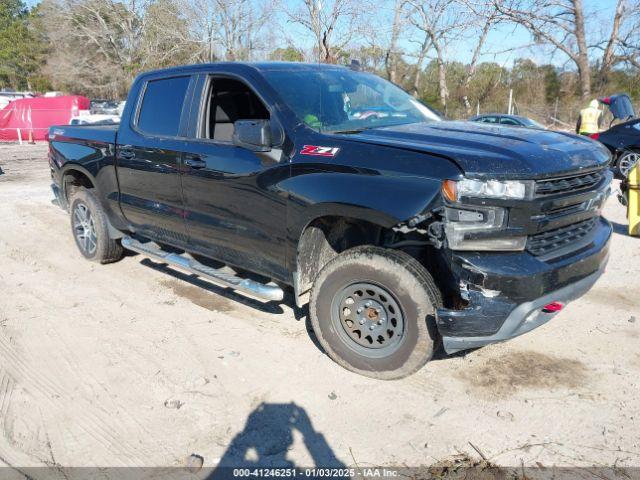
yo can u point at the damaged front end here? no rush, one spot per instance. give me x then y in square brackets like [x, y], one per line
[512, 255]
[518, 251]
[508, 294]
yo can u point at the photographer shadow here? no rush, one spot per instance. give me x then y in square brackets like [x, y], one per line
[267, 437]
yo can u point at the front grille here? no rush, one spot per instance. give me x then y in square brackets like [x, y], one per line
[560, 240]
[568, 184]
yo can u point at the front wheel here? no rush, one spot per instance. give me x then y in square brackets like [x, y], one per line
[373, 311]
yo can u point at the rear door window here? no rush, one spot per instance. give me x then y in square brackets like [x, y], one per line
[161, 106]
[508, 121]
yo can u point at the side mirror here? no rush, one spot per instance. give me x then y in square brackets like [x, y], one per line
[254, 135]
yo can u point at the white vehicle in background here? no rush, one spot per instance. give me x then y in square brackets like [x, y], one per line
[7, 96]
[86, 118]
[104, 107]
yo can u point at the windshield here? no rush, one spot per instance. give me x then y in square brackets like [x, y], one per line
[340, 100]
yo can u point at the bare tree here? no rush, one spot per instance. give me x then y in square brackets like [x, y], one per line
[101, 45]
[227, 29]
[559, 23]
[563, 25]
[166, 38]
[392, 53]
[608, 58]
[628, 48]
[94, 36]
[622, 45]
[439, 22]
[332, 24]
[566, 26]
[482, 17]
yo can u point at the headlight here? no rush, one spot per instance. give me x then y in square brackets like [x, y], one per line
[480, 229]
[467, 187]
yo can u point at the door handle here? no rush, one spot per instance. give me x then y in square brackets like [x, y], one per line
[127, 154]
[194, 161]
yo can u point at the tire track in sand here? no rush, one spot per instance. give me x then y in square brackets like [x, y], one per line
[9, 453]
[107, 404]
[94, 423]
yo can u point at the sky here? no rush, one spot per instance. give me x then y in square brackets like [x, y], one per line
[507, 36]
[502, 39]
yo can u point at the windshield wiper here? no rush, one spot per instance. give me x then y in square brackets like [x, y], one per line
[356, 130]
[371, 127]
[348, 132]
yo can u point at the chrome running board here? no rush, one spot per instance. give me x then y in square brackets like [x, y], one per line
[248, 287]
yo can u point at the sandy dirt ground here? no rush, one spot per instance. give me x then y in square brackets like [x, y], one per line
[133, 364]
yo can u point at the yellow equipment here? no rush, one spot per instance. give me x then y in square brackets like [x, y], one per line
[633, 206]
[589, 119]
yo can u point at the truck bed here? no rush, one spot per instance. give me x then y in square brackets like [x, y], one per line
[93, 133]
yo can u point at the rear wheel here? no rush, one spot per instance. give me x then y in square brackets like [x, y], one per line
[373, 311]
[90, 228]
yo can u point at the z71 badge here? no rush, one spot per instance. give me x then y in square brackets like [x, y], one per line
[319, 151]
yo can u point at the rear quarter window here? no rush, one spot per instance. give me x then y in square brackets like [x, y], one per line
[161, 106]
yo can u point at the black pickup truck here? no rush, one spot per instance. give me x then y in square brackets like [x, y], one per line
[399, 230]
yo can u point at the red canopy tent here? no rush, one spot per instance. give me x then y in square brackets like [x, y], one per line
[34, 116]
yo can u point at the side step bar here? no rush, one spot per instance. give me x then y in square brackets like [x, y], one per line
[243, 285]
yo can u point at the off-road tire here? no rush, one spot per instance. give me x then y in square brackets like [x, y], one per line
[414, 291]
[107, 249]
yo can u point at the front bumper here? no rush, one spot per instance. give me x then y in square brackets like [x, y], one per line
[507, 291]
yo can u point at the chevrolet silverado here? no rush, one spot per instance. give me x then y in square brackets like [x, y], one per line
[400, 231]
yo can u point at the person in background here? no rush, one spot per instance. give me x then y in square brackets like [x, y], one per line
[589, 119]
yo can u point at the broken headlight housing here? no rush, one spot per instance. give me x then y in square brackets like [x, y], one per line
[480, 229]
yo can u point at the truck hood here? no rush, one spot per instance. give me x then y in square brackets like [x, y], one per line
[494, 151]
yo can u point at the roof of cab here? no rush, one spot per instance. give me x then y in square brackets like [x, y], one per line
[294, 66]
[239, 66]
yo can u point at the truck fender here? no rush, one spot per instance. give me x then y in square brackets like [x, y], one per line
[68, 167]
[385, 202]
[74, 167]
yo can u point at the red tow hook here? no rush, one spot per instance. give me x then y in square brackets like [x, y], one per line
[552, 307]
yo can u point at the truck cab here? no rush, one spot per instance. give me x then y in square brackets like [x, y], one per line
[398, 229]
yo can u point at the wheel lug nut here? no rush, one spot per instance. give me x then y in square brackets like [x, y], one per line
[372, 327]
[349, 301]
[361, 321]
[359, 310]
[379, 322]
[368, 304]
[346, 312]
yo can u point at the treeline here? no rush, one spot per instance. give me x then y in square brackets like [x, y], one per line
[97, 47]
